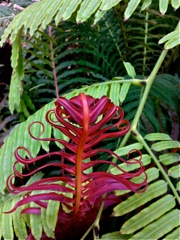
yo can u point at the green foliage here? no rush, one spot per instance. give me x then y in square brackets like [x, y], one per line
[113, 89]
[157, 113]
[160, 212]
[59, 11]
[155, 212]
[84, 54]
[12, 224]
[171, 39]
[83, 58]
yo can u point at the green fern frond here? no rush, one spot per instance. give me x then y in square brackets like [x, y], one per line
[165, 100]
[43, 12]
[157, 209]
[81, 58]
[154, 213]
[82, 51]
[143, 48]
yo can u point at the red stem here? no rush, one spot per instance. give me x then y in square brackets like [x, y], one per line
[80, 149]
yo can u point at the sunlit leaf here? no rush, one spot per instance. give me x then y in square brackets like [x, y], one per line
[163, 5]
[159, 146]
[136, 200]
[175, 4]
[160, 227]
[157, 137]
[130, 69]
[169, 158]
[142, 219]
[146, 4]
[132, 5]
[174, 171]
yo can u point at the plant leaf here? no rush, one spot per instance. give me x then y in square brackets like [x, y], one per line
[17, 75]
[160, 227]
[146, 4]
[174, 171]
[7, 227]
[174, 235]
[142, 219]
[169, 158]
[178, 186]
[46, 229]
[124, 91]
[19, 225]
[35, 223]
[154, 190]
[125, 150]
[52, 214]
[132, 5]
[175, 4]
[163, 5]
[66, 10]
[159, 146]
[129, 69]
[87, 8]
[106, 5]
[171, 39]
[157, 137]
[115, 236]
[115, 91]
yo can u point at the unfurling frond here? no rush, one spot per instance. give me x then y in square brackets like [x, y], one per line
[86, 121]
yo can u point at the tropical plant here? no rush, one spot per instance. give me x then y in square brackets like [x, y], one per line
[59, 56]
[79, 190]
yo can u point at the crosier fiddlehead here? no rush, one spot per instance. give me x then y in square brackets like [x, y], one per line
[86, 121]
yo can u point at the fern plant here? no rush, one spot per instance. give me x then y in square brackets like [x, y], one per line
[79, 190]
[65, 47]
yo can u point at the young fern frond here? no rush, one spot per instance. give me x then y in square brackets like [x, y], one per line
[108, 88]
[86, 121]
[20, 138]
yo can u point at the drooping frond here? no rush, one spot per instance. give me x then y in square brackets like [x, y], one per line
[83, 53]
[43, 13]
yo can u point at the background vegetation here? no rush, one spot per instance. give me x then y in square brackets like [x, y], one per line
[127, 50]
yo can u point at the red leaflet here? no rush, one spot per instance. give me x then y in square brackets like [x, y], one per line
[86, 121]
